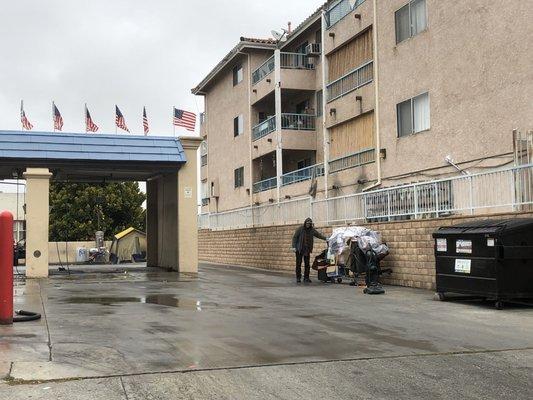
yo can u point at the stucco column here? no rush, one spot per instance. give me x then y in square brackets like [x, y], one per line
[152, 222]
[188, 206]
[277, 104]
[37, 221]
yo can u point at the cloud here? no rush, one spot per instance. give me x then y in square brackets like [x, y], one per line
[131, 53]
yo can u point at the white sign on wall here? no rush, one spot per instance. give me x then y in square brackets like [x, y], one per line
[188, 192]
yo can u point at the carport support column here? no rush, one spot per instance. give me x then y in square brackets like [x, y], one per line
[188, 206]
[152, 224]
[37, 221]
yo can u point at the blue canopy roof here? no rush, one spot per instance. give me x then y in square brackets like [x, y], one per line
[93, 146]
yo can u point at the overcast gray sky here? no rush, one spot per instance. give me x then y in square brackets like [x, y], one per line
[126, 52]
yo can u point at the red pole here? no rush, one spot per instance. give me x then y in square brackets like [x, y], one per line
[6, 268]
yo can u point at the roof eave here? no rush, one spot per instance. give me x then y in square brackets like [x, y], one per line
[198, 90]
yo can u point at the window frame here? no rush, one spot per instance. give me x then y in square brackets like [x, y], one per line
[412, 115]
[238, 125]
[238, 177]
[235, 74]
[411, 35]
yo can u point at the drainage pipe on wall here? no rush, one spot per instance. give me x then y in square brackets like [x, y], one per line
[376, 93]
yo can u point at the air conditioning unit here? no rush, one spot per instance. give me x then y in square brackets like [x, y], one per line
[313, 49]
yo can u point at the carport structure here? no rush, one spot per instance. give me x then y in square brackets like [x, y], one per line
[167, 164]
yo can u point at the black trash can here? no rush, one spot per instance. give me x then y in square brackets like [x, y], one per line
[488, 258]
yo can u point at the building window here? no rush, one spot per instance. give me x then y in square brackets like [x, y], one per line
[319, 103]
[205, 192]
[237, 75]
[239, 177]
[411, 19]
[238, 125]
[413, 115]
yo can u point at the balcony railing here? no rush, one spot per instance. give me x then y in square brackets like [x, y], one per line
[303, 174]
[266, 68]
[353, 80]
[339, 10]
[353, 160]
[266, 184]
[298, 122]
[296, 61]
[264, 128]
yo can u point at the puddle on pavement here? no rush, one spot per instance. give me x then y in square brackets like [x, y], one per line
[159, 299]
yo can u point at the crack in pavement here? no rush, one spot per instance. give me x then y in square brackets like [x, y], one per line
[14, 382]
[123, 387]
[49, 343]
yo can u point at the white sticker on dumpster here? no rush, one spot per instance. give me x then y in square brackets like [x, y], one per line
[462, 266]
[441, 245]
[490, 242]
[463, 246]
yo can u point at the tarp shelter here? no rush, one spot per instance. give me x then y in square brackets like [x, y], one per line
[128, 245]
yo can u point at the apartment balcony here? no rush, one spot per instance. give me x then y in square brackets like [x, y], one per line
[350, 95]
[265, 184]
[302, 174]
[297, 72]
[298, 132]
[362, 157]
[344, 22]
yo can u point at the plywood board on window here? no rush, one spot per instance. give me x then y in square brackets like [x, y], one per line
[350, 56]
[352, 136]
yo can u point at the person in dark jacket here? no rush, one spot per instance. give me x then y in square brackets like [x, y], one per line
[302, 244]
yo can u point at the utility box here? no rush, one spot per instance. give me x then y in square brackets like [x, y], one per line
[488, 258]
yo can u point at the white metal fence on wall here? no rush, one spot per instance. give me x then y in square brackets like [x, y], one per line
[495, 191]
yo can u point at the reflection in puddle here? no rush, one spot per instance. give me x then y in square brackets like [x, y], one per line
[159, 299]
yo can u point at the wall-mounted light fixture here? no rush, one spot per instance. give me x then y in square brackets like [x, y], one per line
[357, 16]
[287, 196]
[268, 80]
[271, 200]
[269, 140]
[255, 146]
[254, 90]
[383, 154]
[331, 34]
[332, 111]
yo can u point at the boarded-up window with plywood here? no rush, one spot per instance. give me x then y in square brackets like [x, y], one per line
[350, 56]
[352, 136]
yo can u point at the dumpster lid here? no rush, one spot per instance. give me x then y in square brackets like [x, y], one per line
[487, 226]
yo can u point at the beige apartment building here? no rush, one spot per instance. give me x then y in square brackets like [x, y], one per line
[366, 94]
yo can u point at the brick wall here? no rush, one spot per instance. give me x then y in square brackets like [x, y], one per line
[410, 242]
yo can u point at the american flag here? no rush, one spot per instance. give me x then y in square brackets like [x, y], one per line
[184, 119]
[25, 123]
[119, 120]
[145, 122]
[58, 119]
[90, 126]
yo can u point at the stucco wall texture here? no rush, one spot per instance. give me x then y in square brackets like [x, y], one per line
[411, 247]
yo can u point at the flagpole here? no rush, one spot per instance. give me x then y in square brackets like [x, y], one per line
[85, 117]
[21, 110]
[173, 125]
[53, 121]
[115, 119]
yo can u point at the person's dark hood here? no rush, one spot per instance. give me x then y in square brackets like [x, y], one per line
[308, 220]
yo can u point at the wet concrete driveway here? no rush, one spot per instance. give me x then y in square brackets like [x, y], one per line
[241, 333]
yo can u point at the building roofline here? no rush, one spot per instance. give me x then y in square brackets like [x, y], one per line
[244, 43]
[313, 18]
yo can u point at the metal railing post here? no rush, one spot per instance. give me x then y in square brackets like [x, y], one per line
[388, 205]
[436, 200]
[415, 193]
